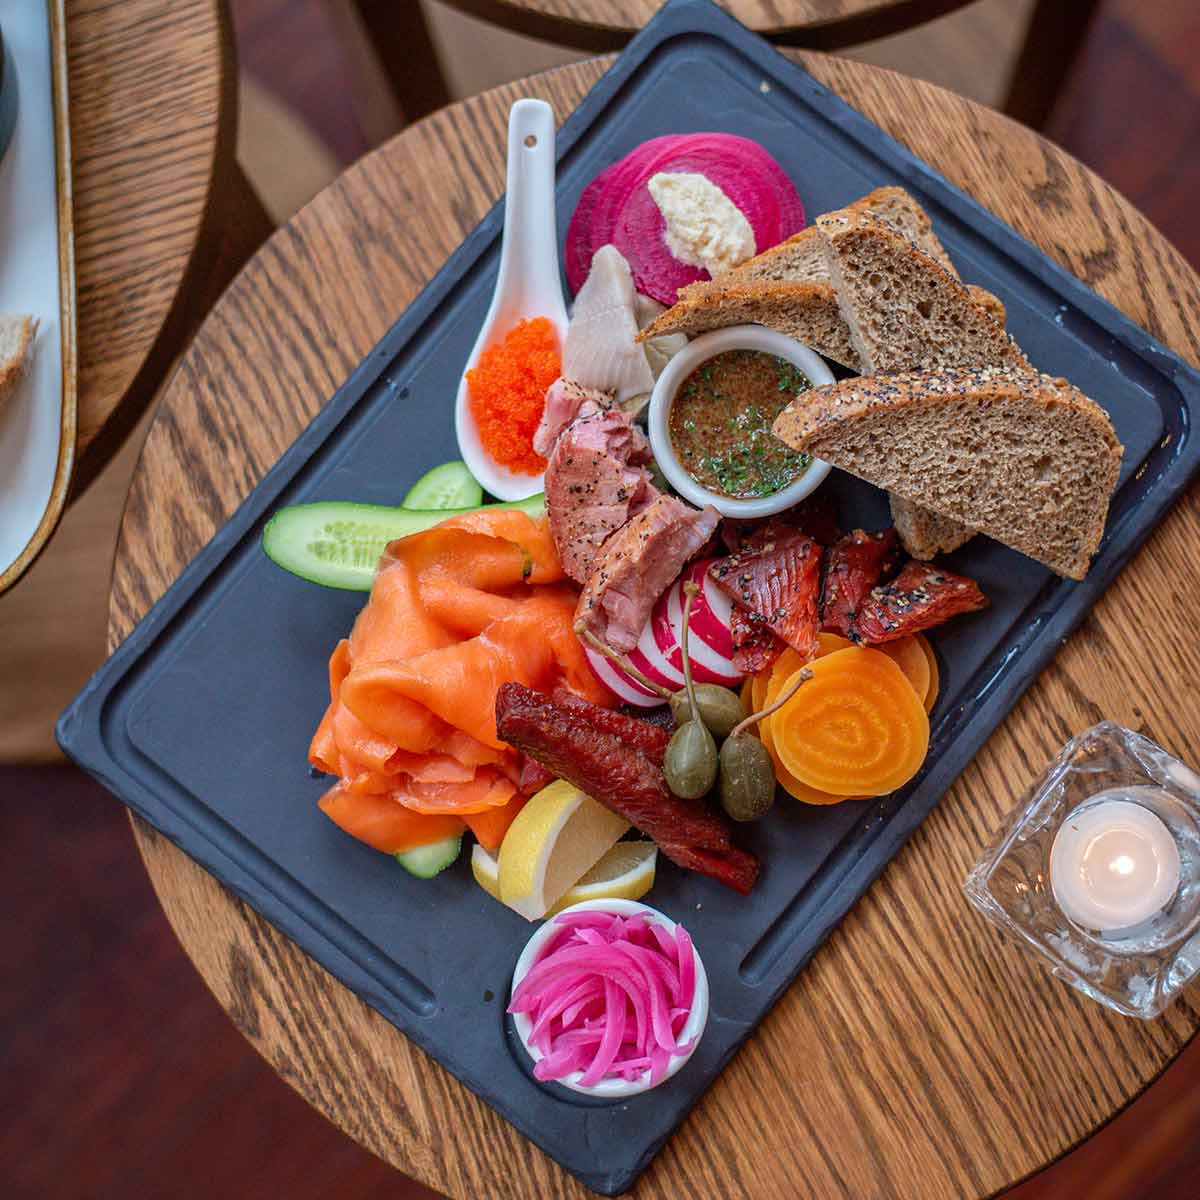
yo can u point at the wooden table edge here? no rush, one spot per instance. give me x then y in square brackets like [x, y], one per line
[885, 18]
[178, 322]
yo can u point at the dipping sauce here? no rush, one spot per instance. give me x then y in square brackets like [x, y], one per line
[721, 422]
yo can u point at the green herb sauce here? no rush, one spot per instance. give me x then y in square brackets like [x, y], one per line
[721, 422]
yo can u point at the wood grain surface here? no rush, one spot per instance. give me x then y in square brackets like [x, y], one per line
[919, 1054]
[609, 24]
[152, 125]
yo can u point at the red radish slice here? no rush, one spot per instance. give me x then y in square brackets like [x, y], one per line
[659, 654]
[707, 665]
[651, 659]
[712, 611]
[623, 686]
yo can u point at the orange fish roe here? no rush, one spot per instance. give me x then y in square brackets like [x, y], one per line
[508, 393]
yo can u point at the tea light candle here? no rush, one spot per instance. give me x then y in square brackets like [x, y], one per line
[1113, 866]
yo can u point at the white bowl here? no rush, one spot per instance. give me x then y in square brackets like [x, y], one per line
[706, 346]
[614, 1089]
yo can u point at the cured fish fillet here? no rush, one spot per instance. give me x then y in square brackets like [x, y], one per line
[455, 613]
[617, 760]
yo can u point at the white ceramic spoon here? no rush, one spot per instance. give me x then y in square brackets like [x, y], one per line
[528, 284]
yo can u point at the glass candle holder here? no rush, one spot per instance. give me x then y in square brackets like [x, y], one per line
[1097, 870]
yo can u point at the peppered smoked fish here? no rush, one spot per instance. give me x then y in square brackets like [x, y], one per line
[853, 566]
[649, 737]
[919, 598]
[578, 743]
[778, 585]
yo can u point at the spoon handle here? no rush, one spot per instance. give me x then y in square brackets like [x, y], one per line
[529, 276]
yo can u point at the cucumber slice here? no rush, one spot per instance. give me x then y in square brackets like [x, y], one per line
[338, 543]
[427, 861]
[449, 486]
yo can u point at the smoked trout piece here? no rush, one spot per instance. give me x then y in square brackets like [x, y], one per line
[590, 747]
[853, 566]
[919, 598]
[779, 586]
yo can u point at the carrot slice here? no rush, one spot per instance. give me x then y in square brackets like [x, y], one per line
[490, 826]
[935, 678]
[856, 728]
[383, 823]
[908, 654]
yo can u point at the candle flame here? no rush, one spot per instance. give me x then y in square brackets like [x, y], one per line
[1123, 865]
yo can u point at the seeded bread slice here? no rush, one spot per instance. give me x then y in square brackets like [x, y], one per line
[903, 308]
[1024, 458]
[807, 312]
[16, 345]
[805, 315]
[906, 311]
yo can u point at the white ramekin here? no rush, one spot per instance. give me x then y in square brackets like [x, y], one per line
[699, 350]
[614, 1089]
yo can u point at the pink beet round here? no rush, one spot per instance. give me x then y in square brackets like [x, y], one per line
[617, 207]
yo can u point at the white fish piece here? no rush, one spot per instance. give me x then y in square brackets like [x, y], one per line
[599, 350]
[659, 350]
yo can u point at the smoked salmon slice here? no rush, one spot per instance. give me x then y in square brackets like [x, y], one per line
[455, 612]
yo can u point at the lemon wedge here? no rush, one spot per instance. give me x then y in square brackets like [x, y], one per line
[556, 839]
[626, 872]
[486, 871]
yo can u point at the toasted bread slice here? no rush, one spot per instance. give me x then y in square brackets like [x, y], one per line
[16, 345]
[1024, 458]
[807, 312]
[903, 308]
[906, 311]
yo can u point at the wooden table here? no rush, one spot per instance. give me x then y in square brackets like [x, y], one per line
[163, 216]
[609, 24]
[919, 1054]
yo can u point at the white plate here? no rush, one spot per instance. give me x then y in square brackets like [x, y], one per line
[37, 425]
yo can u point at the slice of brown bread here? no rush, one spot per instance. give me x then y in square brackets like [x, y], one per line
[799, 259]
[16, 343]
[807, 312]
[809, 315]
[904, 309]
[802, 256]
[923, 532]
[1024, 458]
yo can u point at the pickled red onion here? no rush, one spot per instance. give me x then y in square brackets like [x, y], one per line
[608, 997]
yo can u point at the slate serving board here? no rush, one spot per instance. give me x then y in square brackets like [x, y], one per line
[238, 648]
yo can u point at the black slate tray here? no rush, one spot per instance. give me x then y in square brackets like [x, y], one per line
[200, 722]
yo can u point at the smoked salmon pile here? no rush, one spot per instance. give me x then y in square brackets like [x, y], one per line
[455, 612]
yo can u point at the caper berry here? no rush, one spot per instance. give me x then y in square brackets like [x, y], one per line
[690, 762]
[747, 777]
[720, 709]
